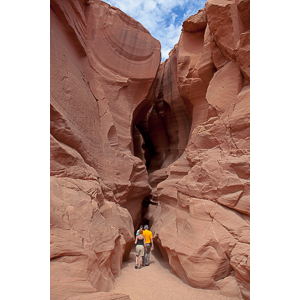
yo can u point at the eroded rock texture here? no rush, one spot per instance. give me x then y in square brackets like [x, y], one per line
[202, 93]
[133, 140]
[102, 66]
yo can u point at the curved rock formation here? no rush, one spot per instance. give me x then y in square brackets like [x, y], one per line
[102, 66]
[202, 220]
[136, 141]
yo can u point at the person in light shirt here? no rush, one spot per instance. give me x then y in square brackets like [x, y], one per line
[143, 257]
[140, 246]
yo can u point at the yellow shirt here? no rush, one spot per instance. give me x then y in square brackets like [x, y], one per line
[148, 235]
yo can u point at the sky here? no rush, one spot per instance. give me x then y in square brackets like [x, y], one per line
[162, 18]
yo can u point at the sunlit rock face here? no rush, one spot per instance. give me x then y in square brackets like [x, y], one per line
[102, 66]
[202, 221]
[133, 140]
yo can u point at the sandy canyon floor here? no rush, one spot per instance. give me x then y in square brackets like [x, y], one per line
[156, 281]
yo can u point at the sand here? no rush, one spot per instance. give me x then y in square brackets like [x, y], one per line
[157, 282]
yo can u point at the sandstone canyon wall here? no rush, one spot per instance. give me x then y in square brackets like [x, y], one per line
[202, 221]
[133, 140]
[102, 65]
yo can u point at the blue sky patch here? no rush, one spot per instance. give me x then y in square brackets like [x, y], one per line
[162, 18]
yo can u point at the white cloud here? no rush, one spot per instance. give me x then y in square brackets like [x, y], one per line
[150, 5]
[162, 18]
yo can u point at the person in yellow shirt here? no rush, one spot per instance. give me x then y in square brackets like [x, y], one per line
[149, 244]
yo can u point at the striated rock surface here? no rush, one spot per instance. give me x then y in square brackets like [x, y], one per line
[202, 221]
[98, 80]
[101, 296]
[136, 141]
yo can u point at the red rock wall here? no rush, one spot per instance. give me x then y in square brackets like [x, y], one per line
[202, 221]
[116, 111]
[98, 79]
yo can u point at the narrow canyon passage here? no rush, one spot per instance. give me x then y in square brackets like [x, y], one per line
[160, 132]
[157, 282]
[135, 141]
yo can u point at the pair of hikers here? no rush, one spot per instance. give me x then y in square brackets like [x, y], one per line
[144, 244]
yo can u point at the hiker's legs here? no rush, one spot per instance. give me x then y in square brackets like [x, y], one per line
[143, 257]
[147, 254]
[140, 262]
[137, 250]
[139, 254]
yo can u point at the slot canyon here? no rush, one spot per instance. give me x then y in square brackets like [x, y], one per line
[136, 141]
